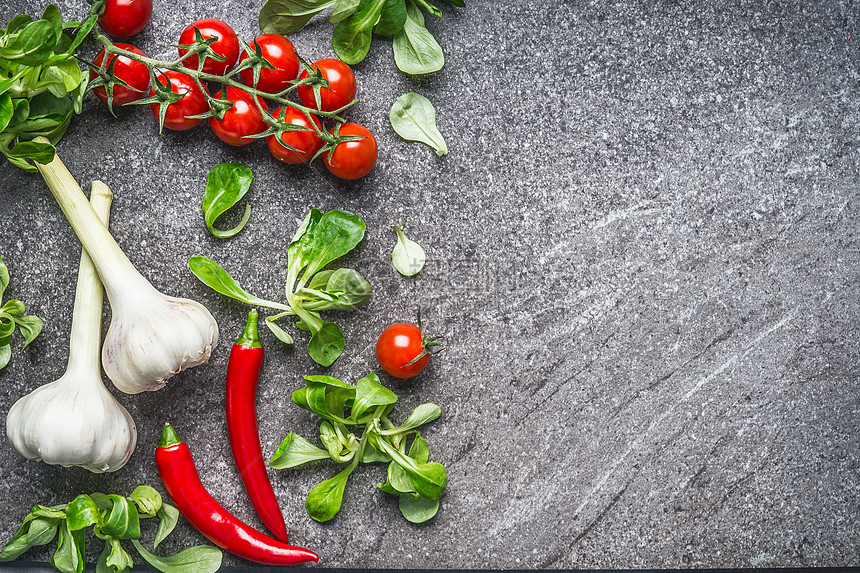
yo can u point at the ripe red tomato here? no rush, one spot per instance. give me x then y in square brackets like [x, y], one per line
[193, 101]
[341, 88]
[397, 346]
[352, 159]
[123, 18]
[306, 142]
[241, 120]
[226, 46]
[279, 52]
[134, 73]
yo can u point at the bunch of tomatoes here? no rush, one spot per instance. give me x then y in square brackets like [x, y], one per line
[351, 151]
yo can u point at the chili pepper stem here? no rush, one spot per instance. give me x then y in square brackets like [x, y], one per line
[169, 437]
[250, 337]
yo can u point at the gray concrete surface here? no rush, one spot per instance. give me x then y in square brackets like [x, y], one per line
[643, 256]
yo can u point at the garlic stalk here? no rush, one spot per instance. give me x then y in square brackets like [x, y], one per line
[75, 420]
[151, 336]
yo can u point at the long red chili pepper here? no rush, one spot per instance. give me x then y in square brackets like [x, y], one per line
[243, 372]
[182, 482]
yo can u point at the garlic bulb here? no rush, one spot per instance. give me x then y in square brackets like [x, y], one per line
[151, 336]
[76, 421]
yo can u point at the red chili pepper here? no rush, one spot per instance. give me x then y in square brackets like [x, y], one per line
[243, 372]
[182, 482]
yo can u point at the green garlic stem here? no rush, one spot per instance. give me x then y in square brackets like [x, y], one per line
[85, 340]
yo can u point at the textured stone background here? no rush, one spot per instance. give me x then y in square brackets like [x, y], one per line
[644, 258]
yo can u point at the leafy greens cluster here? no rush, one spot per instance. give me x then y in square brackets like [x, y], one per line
[419, 482]
[114, 519]
[12, 315]
[42, 84]
[310, 289]
[416, 51]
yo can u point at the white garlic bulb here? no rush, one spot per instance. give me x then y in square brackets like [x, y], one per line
[158, 337]
[76, 421]
[151, 336]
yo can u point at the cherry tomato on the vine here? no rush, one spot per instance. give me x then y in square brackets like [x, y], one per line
[399, 345]
[132, 72]
[341, 88]
[279, 52]
[193, 101]
[352, 159]
[306, 142]
[122, 18]
[241, 120]
[226, 46]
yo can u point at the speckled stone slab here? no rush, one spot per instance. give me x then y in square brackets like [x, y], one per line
[644, 253]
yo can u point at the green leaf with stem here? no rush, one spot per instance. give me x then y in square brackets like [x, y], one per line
[122, 522]
[168, 517]
[226, 185]
[370, 393]
[431, 9]
[295, 451]
[417, 509]
[286, 17]
[69, 556]
[342, 9]
[279, 332]
[416, 51]
[413, 118]
[351, 37]
[408, 257]
[324, 500]
[215, 277]
[197, 559]
[82, 512]
[421, 415]
[392, 18]
[429, 479]
[148, 500]
[35, 531]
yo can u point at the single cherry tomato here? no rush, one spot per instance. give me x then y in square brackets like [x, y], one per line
[241, 120]
[341, 82]
[306, 142]
[226, 46]
[122, 18]
[403, 351]
[279, 52]
[132, 72]
[352, 159]
[193, 101]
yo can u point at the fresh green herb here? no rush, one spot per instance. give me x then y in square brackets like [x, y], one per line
[226, 184]
[289, 16]
[342, 9]
[114, 519]
[408, 256]
[12, 315]
[367, 405]
[42, 85]
[320, 240]
[351, 37]
[416, 51]
[413, 117]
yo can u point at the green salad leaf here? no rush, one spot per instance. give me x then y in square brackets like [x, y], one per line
[113, 519]
[320, 239]
[226, 184]
[419, 482]
[413, 118]
[12, 316]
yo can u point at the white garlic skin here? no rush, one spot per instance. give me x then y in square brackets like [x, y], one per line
[156, 338]
[74, 421]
